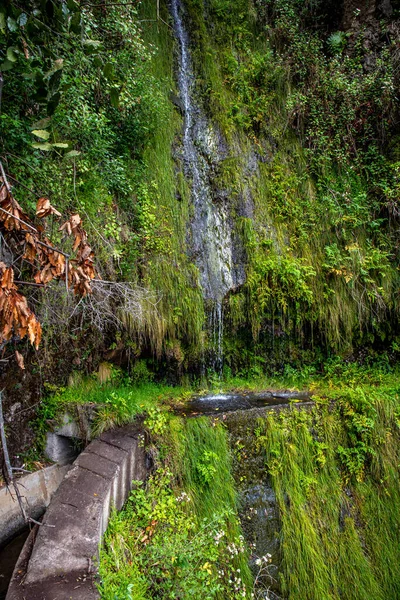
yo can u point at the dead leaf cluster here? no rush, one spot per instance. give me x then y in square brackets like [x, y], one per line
[82, 268]
[16, 318]
[45, 261]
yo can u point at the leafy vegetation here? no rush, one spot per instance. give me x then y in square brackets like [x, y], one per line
[92, 120]
[86, 119]
[334, 473]
[179, 535]
[317, 106]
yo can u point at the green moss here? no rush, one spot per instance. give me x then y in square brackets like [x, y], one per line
[339, 525]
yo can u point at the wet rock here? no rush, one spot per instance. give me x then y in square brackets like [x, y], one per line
[177, 102]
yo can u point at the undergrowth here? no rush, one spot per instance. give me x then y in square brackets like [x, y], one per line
[178, 536]
[335, 475]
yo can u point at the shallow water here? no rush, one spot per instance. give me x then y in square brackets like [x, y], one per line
[222, 403]
[258, 510]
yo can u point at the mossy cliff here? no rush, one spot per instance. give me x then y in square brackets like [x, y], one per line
[305, 103]
[296, 129]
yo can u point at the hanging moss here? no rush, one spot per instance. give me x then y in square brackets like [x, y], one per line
[336, 484]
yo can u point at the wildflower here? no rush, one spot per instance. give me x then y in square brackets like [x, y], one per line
[218, 536]
[183, 497]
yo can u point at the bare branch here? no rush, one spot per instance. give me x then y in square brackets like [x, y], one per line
[109, 301]
[10, 481]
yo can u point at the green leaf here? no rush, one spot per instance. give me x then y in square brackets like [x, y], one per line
[12, 24]
[56, 66]
[53, 103]
[92, 43]
[6, 65]
[42, 124]
[76, 23]
[72, 5]
[22, 19]
[114, 97]
[91, 46]
[43, 146]
[54, 81]
[72, 154]
[60, 145]
[41, 133]
[108, 71]
[11, 55]
[2, 23]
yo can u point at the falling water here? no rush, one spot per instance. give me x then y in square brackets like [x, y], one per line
[217, 330]
[211, 238]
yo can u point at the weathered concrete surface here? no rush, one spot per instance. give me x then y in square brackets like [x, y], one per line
[64, 442]
[37, 490]
[62, 561]
[60, 449]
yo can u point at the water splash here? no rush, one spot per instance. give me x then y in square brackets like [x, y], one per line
[211, 232]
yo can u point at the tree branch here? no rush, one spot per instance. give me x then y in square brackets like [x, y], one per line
[1, 87]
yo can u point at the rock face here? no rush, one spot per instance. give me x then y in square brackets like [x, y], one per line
[62, 561]
[203, 148]
[363, 12]
[214, 245]
[363, 17]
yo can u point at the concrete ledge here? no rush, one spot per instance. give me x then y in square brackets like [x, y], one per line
[37, 489]
[63, 558]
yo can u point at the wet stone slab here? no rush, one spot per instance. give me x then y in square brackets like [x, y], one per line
[213, 404]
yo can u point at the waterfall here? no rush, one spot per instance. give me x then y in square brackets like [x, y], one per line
[217, 330]
[210, 235]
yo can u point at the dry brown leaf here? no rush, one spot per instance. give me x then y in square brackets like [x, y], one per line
[86, 252]
[32, 329]
[66, 227]
[44, 208]
[75, 220]
[16, 318]
[7, 278]
[3, 193]
[20, 360]
[78, 240]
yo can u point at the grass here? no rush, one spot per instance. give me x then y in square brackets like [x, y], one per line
[115, 403]
[335, 475]
[334, 472]
[121, 399]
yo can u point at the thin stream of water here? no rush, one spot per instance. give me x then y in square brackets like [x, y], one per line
[211, 238]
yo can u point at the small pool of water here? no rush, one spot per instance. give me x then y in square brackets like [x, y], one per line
[8, 557]
[213, 403]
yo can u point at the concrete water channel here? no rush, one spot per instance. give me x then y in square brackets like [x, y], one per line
[58, 559]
